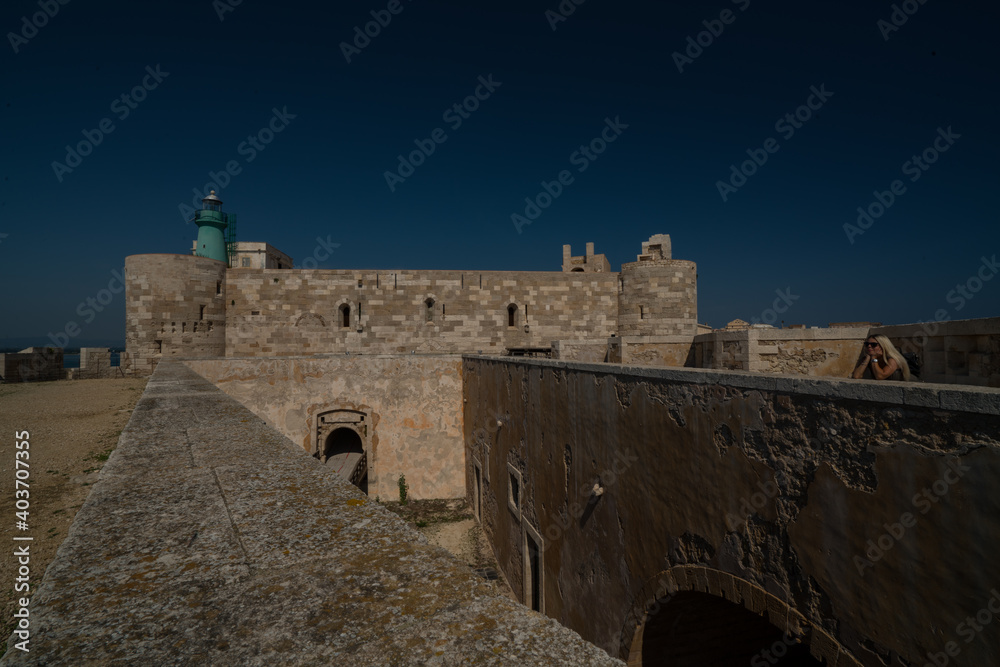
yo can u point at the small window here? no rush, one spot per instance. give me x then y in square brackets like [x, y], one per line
[429, 309]
[159, 347]
[275, 281]
[642, 313]
[218, 287]
[184, 327]
[255, 312]
[514, 490]
[246, 261]
[233, 302]
[360, 283]
[512, 315]
[345, 316]
[201, 312]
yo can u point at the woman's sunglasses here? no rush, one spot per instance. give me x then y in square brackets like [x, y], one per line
[871, 344]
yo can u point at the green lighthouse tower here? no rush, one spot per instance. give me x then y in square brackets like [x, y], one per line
[216, 230]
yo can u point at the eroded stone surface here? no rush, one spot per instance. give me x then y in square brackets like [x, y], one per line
[211, 540]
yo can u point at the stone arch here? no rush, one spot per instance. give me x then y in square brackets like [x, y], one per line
[337, 428]
[344, 314]
[310, 320]
[734, 605]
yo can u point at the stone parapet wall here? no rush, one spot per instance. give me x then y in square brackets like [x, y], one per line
[210, 539]
[834, 509]
[174, 307]
[815, 352]
[413, 404]
[34, 364]
[653, 350]
[281, 313]
[952, 352]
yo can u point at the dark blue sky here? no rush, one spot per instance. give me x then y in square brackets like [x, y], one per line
[323, 174]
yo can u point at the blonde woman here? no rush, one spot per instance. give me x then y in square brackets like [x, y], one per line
[880, 360]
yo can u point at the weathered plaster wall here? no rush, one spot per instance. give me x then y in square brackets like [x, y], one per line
[768, 490]
[415, 403]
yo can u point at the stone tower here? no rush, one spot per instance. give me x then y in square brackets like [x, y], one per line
[659, 295]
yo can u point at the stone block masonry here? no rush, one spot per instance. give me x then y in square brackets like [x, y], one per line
[210, 539]
[411, 404]
[281, 313]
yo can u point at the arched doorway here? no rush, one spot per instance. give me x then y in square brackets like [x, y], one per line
[345, 455]
[700, 630]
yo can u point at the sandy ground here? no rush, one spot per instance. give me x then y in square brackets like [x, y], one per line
[73, 425]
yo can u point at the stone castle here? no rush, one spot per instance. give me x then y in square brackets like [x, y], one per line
[718, 509]
[186, 306]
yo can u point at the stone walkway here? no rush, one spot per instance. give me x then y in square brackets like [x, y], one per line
[212, 540]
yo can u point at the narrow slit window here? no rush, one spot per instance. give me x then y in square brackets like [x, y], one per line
[345, 316]
[512, 315]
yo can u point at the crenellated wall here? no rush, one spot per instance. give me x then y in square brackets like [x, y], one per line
[859, 517]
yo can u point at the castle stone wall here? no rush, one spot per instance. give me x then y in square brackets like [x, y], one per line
[174, 307]
[658, 298]
[281, 313]
[413, 404]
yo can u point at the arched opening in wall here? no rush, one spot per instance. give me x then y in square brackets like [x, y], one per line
[429, 309]
[512, 315]
[345, 455]
[694, 629]
[345, 316]
[577, 270]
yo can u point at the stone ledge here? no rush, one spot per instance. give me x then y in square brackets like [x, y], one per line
[210, 540]
[981, 400]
